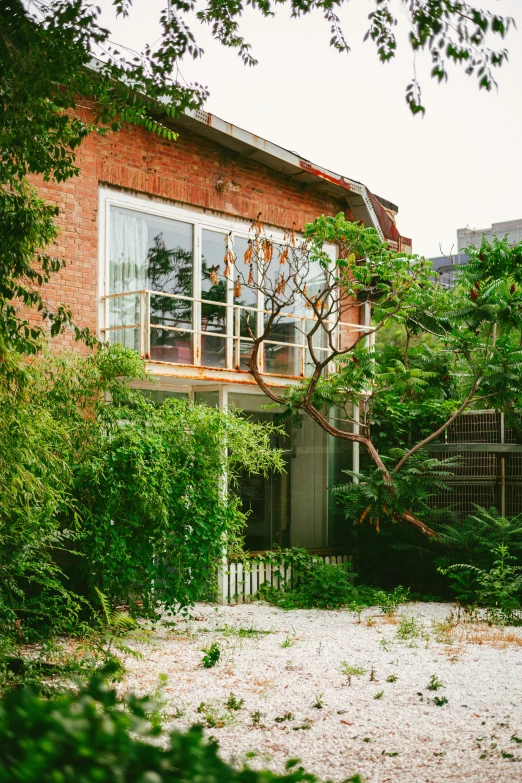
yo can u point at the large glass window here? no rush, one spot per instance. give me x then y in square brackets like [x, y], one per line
[214, 297]
[288, 508]
[151, 253]
[174, 293]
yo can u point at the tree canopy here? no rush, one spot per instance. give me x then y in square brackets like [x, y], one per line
[445, 351]
[49, 76]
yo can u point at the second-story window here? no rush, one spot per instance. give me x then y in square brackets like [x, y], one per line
[170, 292]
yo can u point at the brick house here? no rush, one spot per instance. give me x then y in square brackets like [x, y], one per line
[140, 229]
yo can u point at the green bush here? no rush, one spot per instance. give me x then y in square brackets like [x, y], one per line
[89, 737]
[499, 588]
[102, 489]
[315, 584]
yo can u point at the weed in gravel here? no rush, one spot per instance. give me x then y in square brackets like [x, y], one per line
[212, 655]
[435, 684]
[319, 701]
[286, 643]
[385, 644]
[440, 701]
[307, 724]
[373, 678]
[356, 671]
[391, 755]
[389, 602]
[516, 739]
[159, 697]
[210, 713]
[443, 629]
[285, 717]
[409, 629]
[241, 633]
[367, 739]
[379, 695]
[233, 703]
[256, 718]
[494, 636]
[392, 678]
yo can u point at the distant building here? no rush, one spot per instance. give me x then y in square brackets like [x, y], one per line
[470, 236]
[447, 266]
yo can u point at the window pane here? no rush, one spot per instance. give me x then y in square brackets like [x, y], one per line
[130, 338]
[310, 366]
[320, 337]
[288, 508]
[169, 268]
[213, 350]
[266, 499]
[309, 493]
[285, 330]
[214, 283]
[151, 252]
[245, 352]
[276, 274]
[124, 310]
[128, 246]
[171, 346]
[159, 396]
[210, 398]
[282, 359]
[248, 296]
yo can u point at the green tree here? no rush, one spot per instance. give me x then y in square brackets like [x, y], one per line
[452, 350]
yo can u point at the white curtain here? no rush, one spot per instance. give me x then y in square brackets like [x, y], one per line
[127, 270]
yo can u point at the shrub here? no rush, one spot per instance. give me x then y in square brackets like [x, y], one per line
[102, 489]
[89, 736]
[499, 588]
[315, 584]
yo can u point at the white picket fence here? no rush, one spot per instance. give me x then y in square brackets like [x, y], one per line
[239, 582]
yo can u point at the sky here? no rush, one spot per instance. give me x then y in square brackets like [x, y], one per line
[460, 165]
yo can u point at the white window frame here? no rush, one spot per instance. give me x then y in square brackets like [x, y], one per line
[199, 221]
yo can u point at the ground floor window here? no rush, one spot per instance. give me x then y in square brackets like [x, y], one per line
[295, 507]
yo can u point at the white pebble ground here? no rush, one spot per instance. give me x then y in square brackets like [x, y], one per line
[399, 736]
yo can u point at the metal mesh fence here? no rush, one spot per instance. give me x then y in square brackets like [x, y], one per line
[461, 498]
[513, 432]
[475, 427]
[513, 474]
[483, 478]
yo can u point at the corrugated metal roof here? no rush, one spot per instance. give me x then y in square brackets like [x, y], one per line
[364, 205]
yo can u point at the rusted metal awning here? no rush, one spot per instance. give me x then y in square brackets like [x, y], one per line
[363, 204]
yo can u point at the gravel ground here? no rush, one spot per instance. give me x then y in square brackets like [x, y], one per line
[382, 723]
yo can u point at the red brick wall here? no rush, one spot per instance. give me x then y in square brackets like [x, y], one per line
[185, 172]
